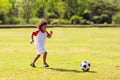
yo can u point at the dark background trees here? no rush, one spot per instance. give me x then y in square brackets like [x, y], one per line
[60, 11]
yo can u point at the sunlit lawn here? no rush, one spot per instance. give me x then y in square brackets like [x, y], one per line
[66, 50]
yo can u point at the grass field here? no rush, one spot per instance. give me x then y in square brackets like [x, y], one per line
[66, 50]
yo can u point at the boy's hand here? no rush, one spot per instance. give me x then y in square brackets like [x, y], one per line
[31, 41]
[51, 32]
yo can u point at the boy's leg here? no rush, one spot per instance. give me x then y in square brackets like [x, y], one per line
[44, 57]
[44, 60]
[35, 59]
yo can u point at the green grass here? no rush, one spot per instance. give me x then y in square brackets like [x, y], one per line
[66, 50]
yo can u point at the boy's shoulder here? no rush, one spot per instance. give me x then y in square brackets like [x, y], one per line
[35, 32]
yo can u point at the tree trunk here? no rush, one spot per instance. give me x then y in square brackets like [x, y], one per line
[27, 12]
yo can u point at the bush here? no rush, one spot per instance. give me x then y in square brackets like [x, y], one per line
[58, 21]
[96, 19]
[52, 15]
[22, 21]
[116, 19]
[79, 20]
[54, 21]
[0, 22]
[11, 20]
[104, 18]
[75, 19]
[16, 21]
[64, 21]
[34, 20]
[84, 21]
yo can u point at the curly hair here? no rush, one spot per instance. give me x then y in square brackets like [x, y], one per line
[41, 23]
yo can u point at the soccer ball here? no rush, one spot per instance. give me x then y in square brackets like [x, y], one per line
[85, 66]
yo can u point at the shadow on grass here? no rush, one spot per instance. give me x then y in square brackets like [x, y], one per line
[68, 70]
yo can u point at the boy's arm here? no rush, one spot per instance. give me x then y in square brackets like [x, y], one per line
[34, 34]
[32, 39]
[50, 34]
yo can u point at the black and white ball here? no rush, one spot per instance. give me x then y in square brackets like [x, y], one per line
[85, 66]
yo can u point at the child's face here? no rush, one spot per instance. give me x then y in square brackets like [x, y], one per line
[43, 28]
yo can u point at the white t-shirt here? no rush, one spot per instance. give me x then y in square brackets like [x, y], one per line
[40, 39]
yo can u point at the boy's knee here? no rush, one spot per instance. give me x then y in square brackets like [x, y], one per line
[38, 55]
[45, 53]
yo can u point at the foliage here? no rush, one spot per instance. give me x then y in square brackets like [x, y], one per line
[101, 19]
[34, 20]
[116, 19]
[12, 20]
[76, 19]
[61, 9]
[76, 7]
[97, 11]
[5, 6]
[79, 20]
[103, 11]
[52, 15]
[58, 21]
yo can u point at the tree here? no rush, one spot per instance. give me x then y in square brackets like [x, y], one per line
[76, 7]
[102, 11]
[27, 9]
[13, 12]
[60, 10]
[5, 6]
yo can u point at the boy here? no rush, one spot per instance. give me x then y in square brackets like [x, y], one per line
[40, 38]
